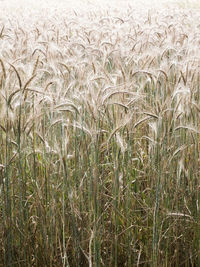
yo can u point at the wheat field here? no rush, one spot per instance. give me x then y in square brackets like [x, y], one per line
[99, 134]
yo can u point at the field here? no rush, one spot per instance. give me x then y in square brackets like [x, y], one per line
[99, 134]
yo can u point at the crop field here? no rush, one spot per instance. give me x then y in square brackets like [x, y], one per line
[99, 134]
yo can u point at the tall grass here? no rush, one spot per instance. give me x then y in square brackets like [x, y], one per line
[99, 137]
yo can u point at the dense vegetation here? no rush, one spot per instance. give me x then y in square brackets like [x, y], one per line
[99, 137]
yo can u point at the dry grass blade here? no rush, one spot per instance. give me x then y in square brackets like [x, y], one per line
[68, 103]
[115, 93]
[114, 132]
[151, 75]
[196, 106]
[56, 122]
[121, 105]
[184, 79]
[66, 67]
[3, 68]
[34, 91]
[35, 66]
[178, 214]
[3, 128]
[1, 33]
[186, 128]
[18, 76]
[47, 86]
[179, 149]
[11, 97]
[126, 121]
[165, 74]
[141, 121]
[151, 115]
[28, 82]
